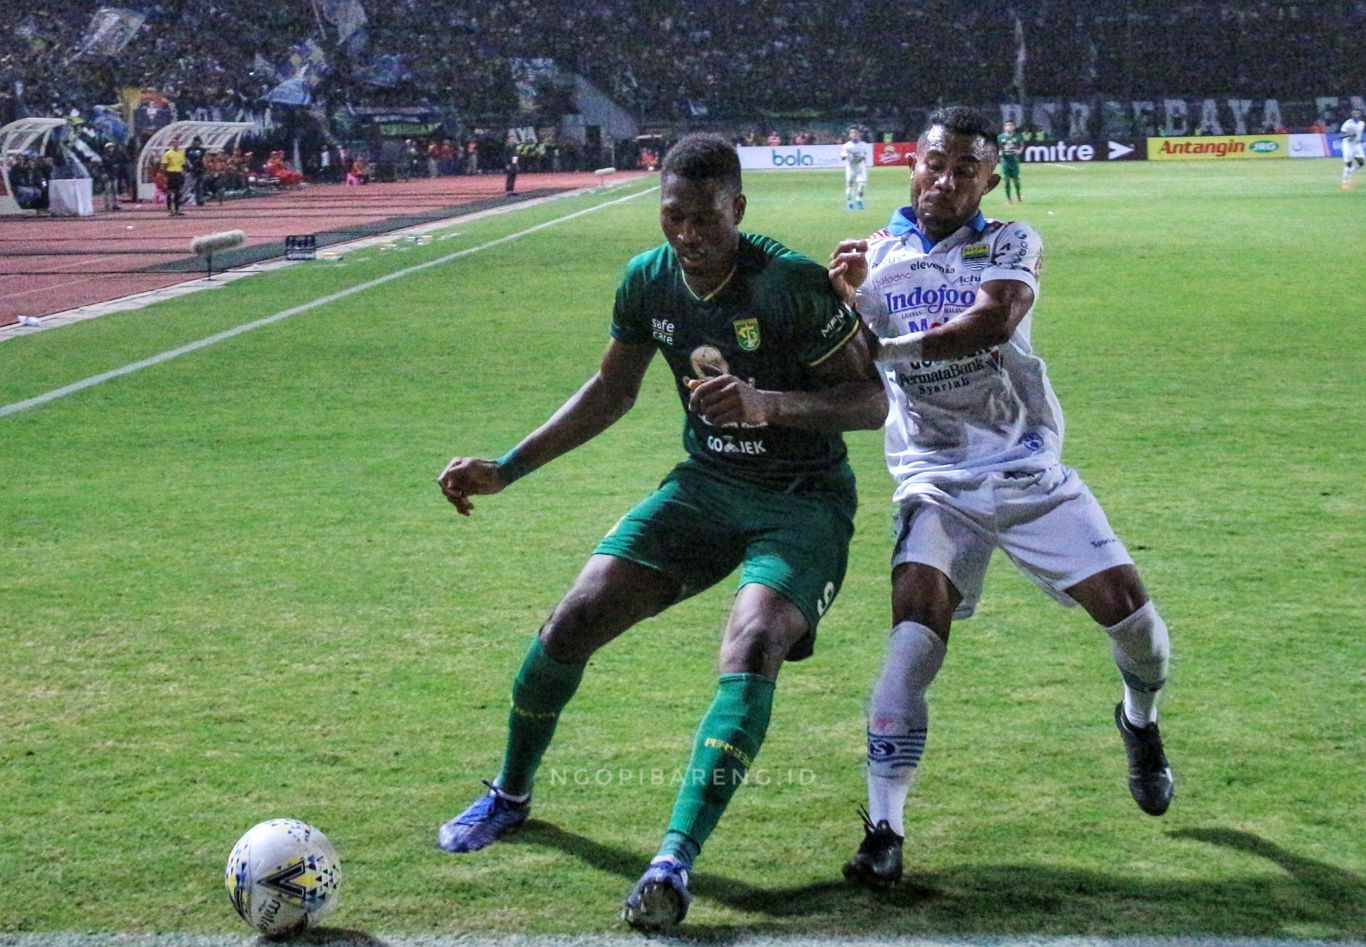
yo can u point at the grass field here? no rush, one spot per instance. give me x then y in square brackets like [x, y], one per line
[230, 590]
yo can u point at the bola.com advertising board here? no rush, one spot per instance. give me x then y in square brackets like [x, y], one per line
[791, 157]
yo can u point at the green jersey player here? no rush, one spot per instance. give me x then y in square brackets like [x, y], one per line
[769, 366]
[1011, 144]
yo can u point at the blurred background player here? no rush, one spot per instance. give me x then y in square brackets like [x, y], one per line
[854, 154]
[1011, 144]
[974, 443]
[1353, 152]
[766, 487]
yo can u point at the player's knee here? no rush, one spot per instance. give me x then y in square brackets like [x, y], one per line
[580, 624]
[758, 645]
[1142, 636]
[914, 656]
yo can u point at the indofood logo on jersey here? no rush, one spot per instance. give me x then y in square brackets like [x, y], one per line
[930, 301]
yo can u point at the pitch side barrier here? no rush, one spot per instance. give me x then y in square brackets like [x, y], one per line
[1244, 147]
[891, 154]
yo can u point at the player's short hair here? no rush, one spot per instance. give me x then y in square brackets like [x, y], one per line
[704, 156]
[961, 120]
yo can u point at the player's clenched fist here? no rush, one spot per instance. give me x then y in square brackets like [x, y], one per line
[468, 476]
[724, 400]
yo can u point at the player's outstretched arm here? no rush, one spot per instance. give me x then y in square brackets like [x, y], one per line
[592, 409]
[990, 321]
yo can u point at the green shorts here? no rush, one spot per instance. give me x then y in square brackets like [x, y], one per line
[1010, 166]
[698, 526]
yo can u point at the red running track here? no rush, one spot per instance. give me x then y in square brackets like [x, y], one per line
[52, 264]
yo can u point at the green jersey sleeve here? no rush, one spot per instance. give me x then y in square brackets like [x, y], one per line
[629, 323]
[823, 322]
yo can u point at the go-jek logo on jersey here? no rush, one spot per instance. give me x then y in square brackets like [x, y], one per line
[931, 301]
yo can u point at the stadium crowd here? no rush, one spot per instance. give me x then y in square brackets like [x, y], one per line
[754, 65]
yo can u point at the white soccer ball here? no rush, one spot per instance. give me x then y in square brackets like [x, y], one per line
[283, 876]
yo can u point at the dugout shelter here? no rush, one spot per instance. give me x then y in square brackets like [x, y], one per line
[217, 137]
[25, 136]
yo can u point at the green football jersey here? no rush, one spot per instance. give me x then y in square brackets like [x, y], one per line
[1011, 145]
[771, 325]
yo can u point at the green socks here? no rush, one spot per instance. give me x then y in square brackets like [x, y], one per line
[542, 688]
[728, 739]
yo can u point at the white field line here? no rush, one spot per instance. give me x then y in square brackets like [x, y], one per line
[145, 298]
[339, 937]
[283, 314]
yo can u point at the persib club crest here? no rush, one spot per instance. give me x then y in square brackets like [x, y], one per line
[747, 333]
[976, 256]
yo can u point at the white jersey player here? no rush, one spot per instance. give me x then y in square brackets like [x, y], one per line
[1353, 153]
[855, 154]
[974, 438]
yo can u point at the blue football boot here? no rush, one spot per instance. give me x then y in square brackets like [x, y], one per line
[488, 819]
[660, 898]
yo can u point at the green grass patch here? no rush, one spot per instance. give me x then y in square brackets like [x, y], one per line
[230, 590]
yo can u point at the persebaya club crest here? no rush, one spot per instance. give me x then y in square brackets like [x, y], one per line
[747, 333]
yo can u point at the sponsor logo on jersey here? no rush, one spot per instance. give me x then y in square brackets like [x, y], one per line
[905, 271]
[663, 330]
[976, 255]
[707, 361]
[931, 301]
[726, 444]
[747, 333]
[836, 322]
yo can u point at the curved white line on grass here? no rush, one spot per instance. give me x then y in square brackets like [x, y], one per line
[214, 339]
[337, 937]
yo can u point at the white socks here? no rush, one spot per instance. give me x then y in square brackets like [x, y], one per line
[897, 719]
[1141, 647]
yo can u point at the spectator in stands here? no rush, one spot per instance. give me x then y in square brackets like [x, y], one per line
[280, 170]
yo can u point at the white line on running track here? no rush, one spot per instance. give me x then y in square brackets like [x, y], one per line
[214, 339]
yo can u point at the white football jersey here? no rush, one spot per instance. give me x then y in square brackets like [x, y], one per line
[1352, 130]
[994, 410]
[855, 154]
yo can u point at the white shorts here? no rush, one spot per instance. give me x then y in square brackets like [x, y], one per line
[1353, 151]
[856, 177]
[1047, 522]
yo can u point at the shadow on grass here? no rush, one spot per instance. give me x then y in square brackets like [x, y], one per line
[1025, 898]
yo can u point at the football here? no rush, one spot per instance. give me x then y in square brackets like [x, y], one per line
[283, 876]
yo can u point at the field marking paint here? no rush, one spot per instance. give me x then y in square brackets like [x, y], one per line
[150, 297]
[336, 937]
[283, 314]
